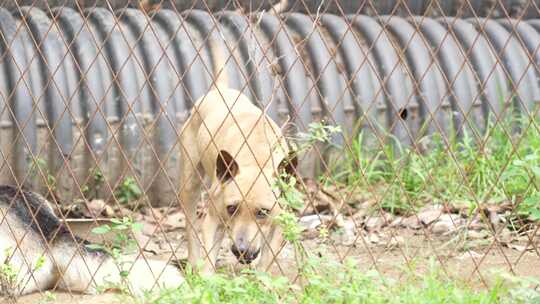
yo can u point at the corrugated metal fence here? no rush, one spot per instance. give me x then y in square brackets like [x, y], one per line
[115, 88]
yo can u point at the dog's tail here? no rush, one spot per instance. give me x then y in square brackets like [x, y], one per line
[89, 271]
[220, 76]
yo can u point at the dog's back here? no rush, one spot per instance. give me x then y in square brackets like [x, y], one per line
[227, 118]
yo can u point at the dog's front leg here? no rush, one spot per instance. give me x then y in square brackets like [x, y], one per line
[191, 185]
[271, 249]
[213, 234]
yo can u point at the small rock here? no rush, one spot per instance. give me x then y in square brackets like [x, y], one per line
[397, 222]
[349, 233]
[411, 222]
[373, 238]
[137, 217]
[388, 217]
[496, 219]
[345, 236]
[149, 229]
[323, 201]
[517, 247]
[377, 222]
[477, 223]
[524, 239]
[494, 207]
[477, 235]
[148, 211]
[349, 225]
[174, 221]
[450, 217]
[310, 221]
[339, 221]
[460, 204]
[97, 207]
[310, 234]
[469, 254]
[506, 236]
[396, 241]
[348, 239]
[442, 227]
[374, 223]
[315, 220]
[430, 215]
[360, 215]
[360, 200]
[146, 243]
[446, 223]
[367, 205]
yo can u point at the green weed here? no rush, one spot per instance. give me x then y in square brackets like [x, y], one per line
[128, 191]
[48, 297]
[328, 281]
[10, 275]
[40, 167]
[8, 278]
[122, 244]
[502, 166]
[97, 182]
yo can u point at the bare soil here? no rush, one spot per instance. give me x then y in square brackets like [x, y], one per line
[473, 261]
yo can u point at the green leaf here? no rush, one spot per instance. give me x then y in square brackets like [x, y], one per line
[136, 227]
[117, 221]
[101, 229]
[124, 273]
[95, 247]
[535, 214]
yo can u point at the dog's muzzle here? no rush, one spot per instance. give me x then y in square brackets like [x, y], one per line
[244, 255]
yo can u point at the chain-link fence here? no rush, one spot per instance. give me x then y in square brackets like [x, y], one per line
[414, 123]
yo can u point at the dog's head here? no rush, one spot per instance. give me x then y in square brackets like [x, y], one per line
[246, 200]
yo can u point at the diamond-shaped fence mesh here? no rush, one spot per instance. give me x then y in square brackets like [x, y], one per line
[167, 131]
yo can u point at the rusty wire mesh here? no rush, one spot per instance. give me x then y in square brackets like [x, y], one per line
[94, 97]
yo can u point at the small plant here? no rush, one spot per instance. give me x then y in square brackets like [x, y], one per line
[40, 262]
[98, 178]
[291, 199]
[122, 243]
[37, 165]
[8, 278]
[329, 281]
[97, 181]
[317, 133]
[85, 190]
[40, 165]
[9, 275]
[503, 165]
[48, 297]
[128, 191]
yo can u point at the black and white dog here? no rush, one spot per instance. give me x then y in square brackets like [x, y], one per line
[45, 255]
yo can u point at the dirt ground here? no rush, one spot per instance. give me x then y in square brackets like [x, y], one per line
[390, 252]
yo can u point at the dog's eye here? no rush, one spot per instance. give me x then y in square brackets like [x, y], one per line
[231, 209]
[262, 213]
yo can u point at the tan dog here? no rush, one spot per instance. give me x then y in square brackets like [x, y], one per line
[243, 151]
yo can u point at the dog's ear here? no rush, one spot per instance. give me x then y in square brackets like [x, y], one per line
[289, 164]
[226, 166]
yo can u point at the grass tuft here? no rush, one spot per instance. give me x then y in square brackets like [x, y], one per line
[503, 166]
[325, 281]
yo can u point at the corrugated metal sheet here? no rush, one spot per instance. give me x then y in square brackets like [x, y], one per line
[114, 89]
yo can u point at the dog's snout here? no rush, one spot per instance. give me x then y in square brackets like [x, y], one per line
[244, 254]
